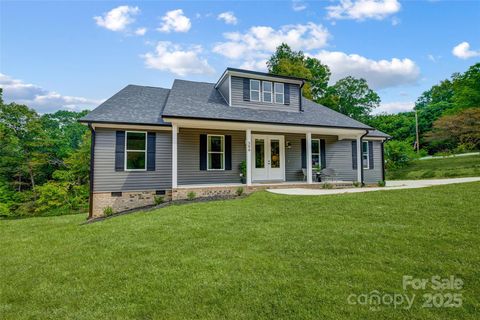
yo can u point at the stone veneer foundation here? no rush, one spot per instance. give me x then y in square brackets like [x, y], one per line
[127, 201]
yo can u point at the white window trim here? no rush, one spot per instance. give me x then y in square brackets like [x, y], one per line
[367, 165]
[126, 151]
[265, 91]
[319, 153]
[221, 152]
[283, 92]
[259, 90]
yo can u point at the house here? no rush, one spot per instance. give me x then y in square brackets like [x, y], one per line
[149, 141]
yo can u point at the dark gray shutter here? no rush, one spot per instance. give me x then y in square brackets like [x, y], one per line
[228, 152]
[246, 89]
[286, 90]
[370, 154]
[323, 159]
[203, 152]
[120, 151]
[151, 146]
[354, 155]
[304, 153]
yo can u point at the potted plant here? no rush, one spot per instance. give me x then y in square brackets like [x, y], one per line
[243, 172]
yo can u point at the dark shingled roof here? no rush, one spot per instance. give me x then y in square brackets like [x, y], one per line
[201, 100]
[133, 104]
[188, 99]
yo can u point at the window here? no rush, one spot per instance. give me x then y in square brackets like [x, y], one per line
[315, 153]
[267, 91]
[216, 153]
[254, 90]
[365, 159]
[136, 151]
[279, 93]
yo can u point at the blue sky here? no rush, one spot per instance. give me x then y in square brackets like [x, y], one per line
[73, 55]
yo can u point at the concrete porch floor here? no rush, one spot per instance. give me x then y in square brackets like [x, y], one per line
[391, 185]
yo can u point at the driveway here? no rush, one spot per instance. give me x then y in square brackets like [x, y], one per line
[391, 185]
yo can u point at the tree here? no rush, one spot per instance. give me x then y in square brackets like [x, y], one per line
[400, 126]
[291, 63]
[466, 88]
[351, 97]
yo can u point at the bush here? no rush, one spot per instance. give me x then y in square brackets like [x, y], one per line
[158, 200]
[356, 184]
[381, 183]
[327, 186]
[191, 195]
[243, 168]
[398, 154]
[108, 211]
[239, 191]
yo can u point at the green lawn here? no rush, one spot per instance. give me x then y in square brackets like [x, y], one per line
[468, 166]
[265, 256]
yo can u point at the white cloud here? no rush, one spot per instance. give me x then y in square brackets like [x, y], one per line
[378, 73]
[173, 58]
[228, 17]
[176, 21]
[260, 41]
[394, 107]
[298, 5]
[42, 100]
[141, 31]
[463, 51]
[363, 9]
[118, 18]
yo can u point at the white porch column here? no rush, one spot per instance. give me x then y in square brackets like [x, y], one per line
[359, 160]
[309, 157]
[248, 143]
[174, 155]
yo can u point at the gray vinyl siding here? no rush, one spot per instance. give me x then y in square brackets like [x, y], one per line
[374, 175]
[189, 158]
[106, 179]
[237, 98]
[224, 89]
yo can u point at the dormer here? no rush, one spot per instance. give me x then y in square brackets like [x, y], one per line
[259, 90]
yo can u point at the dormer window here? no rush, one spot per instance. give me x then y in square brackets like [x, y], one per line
[267, 91]
[254, 90]
[279, 93]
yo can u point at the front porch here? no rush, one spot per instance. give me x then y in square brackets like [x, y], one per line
[207, 155]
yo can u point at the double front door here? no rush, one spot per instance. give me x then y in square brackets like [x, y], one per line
[268, 161]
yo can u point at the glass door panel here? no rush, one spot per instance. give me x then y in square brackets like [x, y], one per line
[259, 153]
[274, 153]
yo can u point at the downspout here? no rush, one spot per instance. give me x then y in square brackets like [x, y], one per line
[301, 95]
[92, 159]
[361, 155]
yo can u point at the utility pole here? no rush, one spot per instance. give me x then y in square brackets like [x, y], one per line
[417, 143]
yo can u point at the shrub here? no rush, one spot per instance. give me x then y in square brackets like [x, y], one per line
[327, 186]
[158, 200]
[239, 191]
[108, 211]
[191, 195]
[243, 168]
[381, 183]
[357, 184]
[398, 154]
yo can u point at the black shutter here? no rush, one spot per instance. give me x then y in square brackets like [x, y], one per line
[304, 153]
[286, 90]
[120, 151]
[323, 159]
[203, 152]
[228, 152]
[151, 146]
[354, 155]
[246, 89]
[370, 154]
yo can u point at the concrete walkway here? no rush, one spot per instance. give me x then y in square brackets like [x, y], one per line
[391, 185]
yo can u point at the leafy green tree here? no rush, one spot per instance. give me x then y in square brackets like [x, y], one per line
[351, 97]
[291, 63]
[400, 126]
[398, 154]
[466, 88]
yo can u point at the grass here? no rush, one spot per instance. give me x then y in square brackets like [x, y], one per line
[265, 256]
[454, 167]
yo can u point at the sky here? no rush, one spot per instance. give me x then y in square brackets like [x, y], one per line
[75, 54]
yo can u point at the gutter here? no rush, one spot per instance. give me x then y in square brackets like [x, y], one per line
[92, 161]
[361, 155]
